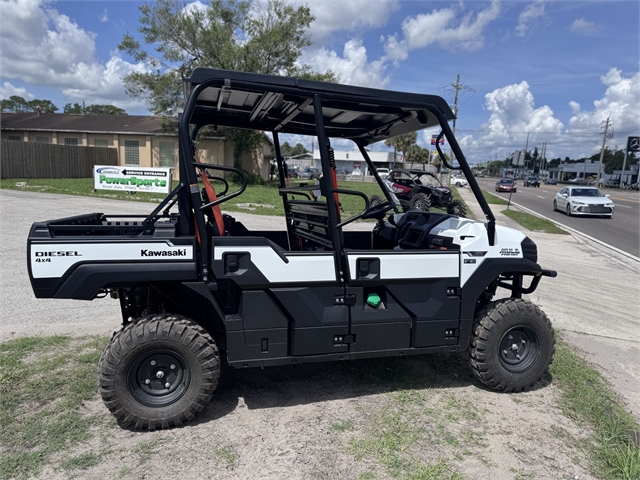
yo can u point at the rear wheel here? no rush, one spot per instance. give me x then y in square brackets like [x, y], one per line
[457, 207]
[512, 345]
[158, 372]
[420, 201]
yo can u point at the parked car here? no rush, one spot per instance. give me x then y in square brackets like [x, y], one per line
[310, 173]
[506, 185]
[531, 182]
[583, 201]
[383, 172]
[356, 173]
[550, 181]
[458, 182]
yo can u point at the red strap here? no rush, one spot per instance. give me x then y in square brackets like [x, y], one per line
[211, 195]
[334, 184]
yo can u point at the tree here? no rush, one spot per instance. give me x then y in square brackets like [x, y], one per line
[18, 104]
[288, 151]
[401, 143]
[417, 154]
[93, 109]
[247, 35]
[261, 36]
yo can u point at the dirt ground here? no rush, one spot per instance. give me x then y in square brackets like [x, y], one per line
[421, 417]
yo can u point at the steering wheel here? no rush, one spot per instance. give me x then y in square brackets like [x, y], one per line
[377, 212]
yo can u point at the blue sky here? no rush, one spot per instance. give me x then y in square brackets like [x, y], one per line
[551, 69]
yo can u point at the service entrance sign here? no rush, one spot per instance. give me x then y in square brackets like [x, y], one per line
[132, 179]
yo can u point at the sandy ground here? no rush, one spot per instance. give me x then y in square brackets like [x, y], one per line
[334, 420]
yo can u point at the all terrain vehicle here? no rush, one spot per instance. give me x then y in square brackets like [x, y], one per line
[420, 190]
[197, 287]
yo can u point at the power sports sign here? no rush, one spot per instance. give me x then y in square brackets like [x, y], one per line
[132, 179]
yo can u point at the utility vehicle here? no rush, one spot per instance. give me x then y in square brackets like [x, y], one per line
[420, 190]
[197, 288]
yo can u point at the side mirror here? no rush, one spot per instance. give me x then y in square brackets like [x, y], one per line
[565, 195]
[608, 196]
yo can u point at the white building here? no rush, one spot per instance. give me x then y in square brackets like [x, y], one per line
[348, 161]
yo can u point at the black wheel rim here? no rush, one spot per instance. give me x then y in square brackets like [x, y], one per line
[159, 377]
[519, 349]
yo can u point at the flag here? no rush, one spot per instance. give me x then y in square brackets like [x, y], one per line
[434, 138]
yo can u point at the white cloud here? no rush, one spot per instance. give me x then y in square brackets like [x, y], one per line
[352, 67]
[44, 48]
[584, 27]
[513, 115]
[441, 27]
[621, 101]
[104, 17]
[346, 15]
[528, 17]
[8, 90]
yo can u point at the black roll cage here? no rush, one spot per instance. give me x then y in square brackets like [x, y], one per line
[308, 94]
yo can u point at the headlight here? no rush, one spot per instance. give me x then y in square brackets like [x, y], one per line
[578, 203]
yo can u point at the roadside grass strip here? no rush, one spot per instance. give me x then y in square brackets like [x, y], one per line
[533, 223]
[494, 199]
[614, 450]
[43, 381]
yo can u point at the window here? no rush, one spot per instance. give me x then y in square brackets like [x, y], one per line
[15, 138]
[101, 142]
[71, 141]
[42, 139]
[167, 154]
[131, 152]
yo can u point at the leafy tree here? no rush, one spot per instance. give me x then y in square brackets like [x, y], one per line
[18, 104]
[93, 109]
[417, 154]
[288, 151]
[261, 36]
[402, 143]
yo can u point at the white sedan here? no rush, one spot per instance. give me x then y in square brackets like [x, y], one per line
[583, 201]
[458, 182]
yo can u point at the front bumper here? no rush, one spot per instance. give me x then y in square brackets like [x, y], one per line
[592, 209]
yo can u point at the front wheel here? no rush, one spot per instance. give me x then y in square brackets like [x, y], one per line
[568, 210]
[420, 202]
[512, 345]
[555, 206]
[158, 372]
[458, 208]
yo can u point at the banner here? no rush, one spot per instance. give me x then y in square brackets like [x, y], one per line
[132, 179]
[434, 138]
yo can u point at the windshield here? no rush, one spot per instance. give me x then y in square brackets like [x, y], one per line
[506, 180]
[586, 192]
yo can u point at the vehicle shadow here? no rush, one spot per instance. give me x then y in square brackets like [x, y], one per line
[293, 385]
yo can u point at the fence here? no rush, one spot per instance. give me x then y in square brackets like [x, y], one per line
[43, 160]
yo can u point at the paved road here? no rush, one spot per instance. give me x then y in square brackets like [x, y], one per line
[622, 231]
[593, 301]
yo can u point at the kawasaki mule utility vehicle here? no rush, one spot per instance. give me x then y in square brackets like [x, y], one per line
[196, 287]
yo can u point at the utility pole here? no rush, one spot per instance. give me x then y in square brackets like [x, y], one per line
[524, 161]
[457, 86]
[604, 141]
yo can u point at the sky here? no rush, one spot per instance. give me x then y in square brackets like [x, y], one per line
[532, 72]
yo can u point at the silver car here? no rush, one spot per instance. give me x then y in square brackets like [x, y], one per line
[583, 201]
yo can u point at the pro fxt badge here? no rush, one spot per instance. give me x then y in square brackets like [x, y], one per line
[509, 252]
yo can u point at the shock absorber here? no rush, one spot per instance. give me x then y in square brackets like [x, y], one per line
[334, 176]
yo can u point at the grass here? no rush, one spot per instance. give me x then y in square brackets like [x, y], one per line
[588, 400]
[226, 455]
[534, 223]
[43, 381]
[494, 199]
[258, 199]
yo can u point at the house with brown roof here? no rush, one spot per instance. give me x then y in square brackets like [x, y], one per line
[139, 140]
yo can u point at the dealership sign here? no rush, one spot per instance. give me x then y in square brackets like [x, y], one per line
[132, 179]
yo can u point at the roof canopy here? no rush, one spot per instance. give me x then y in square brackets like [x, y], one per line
[284, 104]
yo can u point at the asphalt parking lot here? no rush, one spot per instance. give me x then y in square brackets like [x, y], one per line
[594, 300]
